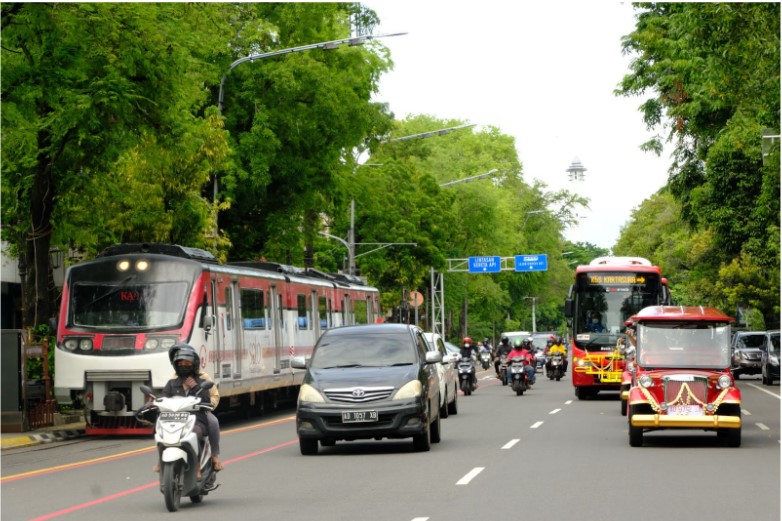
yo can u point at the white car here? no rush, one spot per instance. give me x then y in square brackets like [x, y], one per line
[449, 378]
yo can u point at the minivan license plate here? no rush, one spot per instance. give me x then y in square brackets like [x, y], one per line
[359, 416]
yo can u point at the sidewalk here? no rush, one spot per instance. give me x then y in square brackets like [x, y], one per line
[12, 440]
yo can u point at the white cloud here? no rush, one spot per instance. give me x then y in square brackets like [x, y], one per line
[541, 72]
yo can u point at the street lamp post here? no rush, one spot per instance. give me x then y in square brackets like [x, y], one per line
[534, 326]
[352, 229]
[326, 46]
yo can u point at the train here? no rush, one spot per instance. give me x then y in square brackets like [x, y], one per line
[122, 311]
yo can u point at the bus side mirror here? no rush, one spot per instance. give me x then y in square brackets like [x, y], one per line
[569, 307]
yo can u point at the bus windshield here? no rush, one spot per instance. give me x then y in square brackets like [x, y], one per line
[605, 300]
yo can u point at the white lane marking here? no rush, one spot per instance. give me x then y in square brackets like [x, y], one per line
[468, 477]
[535, 425]
[511, 443]
[763, 427]
[746, 412]
[555, 411]
[420, 519]
[568, 402]
[764, 390]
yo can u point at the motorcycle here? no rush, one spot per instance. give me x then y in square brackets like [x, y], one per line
[485, 359]
[181, 454]
[519, 382]
[504, 369]
[467, 375]
[556, 366]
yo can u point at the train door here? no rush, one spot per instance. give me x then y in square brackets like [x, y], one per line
[315, 314]
[229, 350]
[235, 326]
[347, 309]
[217, 330]
[276, 319]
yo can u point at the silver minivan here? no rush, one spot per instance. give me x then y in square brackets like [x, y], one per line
[449, 377]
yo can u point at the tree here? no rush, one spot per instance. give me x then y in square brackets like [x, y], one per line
[713, 73]
[95, 95]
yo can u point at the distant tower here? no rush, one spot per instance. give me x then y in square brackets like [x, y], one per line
[576, 170]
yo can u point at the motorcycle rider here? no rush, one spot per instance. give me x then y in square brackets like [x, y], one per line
[187, 365]
[557, 347]
[503, 349]
[466, 352]
[523, 350]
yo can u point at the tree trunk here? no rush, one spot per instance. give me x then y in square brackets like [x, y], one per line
[37, 297]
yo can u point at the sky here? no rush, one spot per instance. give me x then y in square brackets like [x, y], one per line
[542, 72]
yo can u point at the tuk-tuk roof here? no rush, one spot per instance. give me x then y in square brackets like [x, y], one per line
[687, 313]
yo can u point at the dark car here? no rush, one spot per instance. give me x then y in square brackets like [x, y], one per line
[746, 350]
[369, 382]
[769, 360]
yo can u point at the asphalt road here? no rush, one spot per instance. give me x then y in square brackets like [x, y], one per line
[544, 455]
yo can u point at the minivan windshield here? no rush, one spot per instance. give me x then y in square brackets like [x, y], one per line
[370, 350]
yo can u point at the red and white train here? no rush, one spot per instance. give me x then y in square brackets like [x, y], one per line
[122, 311]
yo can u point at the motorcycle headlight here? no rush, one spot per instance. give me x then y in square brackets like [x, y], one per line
[724, 381]
[645, 381]
[410, 390]
[307, 393]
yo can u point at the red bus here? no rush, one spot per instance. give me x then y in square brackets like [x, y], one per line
[606, 293]
[123, 310]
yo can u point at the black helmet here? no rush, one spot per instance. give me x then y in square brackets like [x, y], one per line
[182, 351]
[504, 340]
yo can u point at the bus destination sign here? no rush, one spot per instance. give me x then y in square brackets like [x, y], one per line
[616, 278]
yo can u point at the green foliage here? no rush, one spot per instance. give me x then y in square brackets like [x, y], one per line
[712, 70]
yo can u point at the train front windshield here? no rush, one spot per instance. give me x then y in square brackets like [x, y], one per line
[605, 300]
[122, 293]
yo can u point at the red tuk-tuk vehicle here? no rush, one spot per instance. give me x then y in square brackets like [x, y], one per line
[681, 378]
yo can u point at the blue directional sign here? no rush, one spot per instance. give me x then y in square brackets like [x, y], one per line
[485, 264]
[531, 262]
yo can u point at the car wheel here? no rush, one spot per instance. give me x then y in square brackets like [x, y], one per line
[308, 447]
[636, 434]
[434, 431]
[328, 442]
[452, 407]
[444, 406]
[422, 442]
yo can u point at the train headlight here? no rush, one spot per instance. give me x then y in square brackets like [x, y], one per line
[142, 265]
[645, 381]
[151, 343]
[71, 344]
[158, 342]
[85, 344]
[123, 265]
[724, 381]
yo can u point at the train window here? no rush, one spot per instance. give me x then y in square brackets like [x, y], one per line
[360, 311]
[302, 309]
[323, 312]
[253, 311]
[229, 309]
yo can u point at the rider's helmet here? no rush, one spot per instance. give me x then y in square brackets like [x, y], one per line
[467, 341]
[518, 343]
[504, 340]
[184, 358]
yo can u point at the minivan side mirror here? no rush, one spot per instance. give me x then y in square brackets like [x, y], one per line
[299, 362]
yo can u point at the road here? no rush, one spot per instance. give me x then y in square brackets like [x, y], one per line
[543, 455]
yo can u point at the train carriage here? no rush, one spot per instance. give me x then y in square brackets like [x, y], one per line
[122, 311]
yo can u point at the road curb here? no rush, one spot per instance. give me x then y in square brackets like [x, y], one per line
[40, 438]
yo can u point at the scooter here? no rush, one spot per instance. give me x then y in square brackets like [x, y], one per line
[181, 454]
[485, 359]
[556, 366]
[519, 382]
[467, 376]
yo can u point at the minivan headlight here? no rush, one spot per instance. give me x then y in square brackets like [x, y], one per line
[410, 390]
[307, 393]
